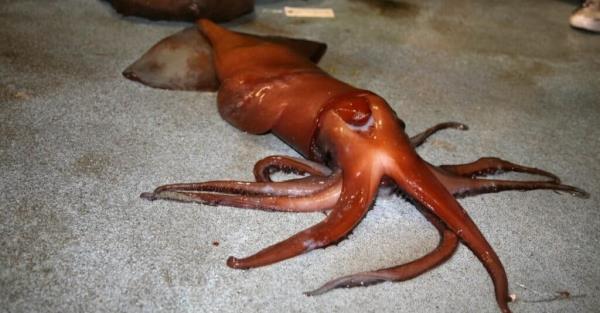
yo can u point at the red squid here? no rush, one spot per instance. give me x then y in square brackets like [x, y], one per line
[354, 143]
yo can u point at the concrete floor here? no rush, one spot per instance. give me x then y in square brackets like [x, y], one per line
[79, 143]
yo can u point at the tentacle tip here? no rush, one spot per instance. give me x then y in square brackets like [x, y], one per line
[150, 196]
[236, 263]
[309, 293]
[580, 193]
[316, 292]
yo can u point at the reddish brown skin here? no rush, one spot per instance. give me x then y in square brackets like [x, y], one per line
[184, 61]
[355, 143]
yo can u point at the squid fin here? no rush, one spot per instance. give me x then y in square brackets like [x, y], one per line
[312, 50]
[184, 60]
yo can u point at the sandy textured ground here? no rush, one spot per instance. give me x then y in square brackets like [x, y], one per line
[79, 143]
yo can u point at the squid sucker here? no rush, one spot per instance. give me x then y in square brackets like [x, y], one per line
[353, 143]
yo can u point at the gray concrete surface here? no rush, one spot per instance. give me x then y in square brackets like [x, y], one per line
[79, 143]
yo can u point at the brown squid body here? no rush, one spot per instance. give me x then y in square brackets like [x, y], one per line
[184, 10]
[355, 142]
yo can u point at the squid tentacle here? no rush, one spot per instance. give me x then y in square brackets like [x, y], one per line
[464, 186]
[354, 201]
[321, 197]
[265, 85]
[341, 130]
[280, 163]
[433, 195]
[448, 240]
[293, 187]
[445, 249]
[419, 139]
[493, 165]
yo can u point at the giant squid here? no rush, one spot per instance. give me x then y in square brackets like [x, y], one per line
[353, 144]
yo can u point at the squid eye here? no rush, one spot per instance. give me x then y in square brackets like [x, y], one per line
[355, 111]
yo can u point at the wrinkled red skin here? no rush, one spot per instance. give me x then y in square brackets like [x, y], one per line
[266, 87]
[184, 10]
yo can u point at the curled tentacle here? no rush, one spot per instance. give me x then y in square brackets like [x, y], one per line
[461, 186]
[279, 163]
[420, 138]
[259, 196]
[492, 165]
[444, 250]
[355, 198]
